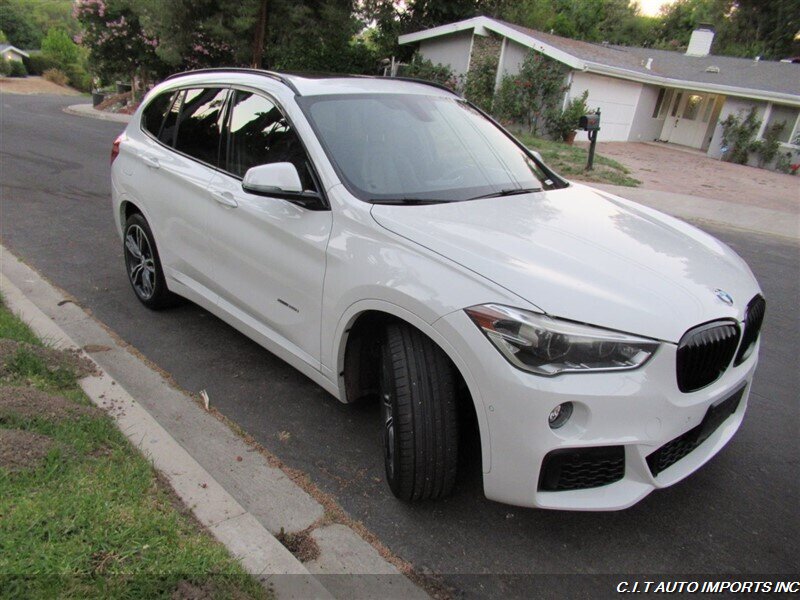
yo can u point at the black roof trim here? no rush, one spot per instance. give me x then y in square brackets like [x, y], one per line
[271, 74]
[282, 77]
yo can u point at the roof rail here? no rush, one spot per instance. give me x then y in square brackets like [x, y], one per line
[271, 74]
[441, 86]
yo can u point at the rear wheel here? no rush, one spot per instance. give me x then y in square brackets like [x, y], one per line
[144, 266]
[419, 415]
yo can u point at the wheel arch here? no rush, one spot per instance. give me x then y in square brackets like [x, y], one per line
[367, 317]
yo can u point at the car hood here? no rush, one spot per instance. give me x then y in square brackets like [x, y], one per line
[588, 256]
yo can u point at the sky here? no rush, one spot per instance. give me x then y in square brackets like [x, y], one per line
[651, 7]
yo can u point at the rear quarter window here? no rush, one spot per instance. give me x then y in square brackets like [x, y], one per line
[154, 113]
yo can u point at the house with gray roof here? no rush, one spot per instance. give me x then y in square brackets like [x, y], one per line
[644, 94]
[9, 52]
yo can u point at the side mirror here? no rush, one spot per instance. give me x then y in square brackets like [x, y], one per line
[275, 178]
[537, 155]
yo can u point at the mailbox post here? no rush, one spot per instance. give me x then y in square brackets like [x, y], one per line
[591, 125]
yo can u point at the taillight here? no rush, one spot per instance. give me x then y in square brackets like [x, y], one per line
[115, 147]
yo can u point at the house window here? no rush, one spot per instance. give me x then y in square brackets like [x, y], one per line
[712, 100]
[662, 104]
[692, 106]
[659, 102]
[676, 104]
[786, 115]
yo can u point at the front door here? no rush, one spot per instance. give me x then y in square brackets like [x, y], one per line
[686, 122]
[268, 254]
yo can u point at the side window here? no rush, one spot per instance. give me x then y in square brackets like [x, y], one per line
[167, 133]
[260, 135]
[200, 124]
[153, 115]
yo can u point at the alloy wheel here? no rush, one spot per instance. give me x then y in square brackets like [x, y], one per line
[141, 264]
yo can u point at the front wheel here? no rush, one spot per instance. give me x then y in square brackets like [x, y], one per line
[144, 266]
[419, 415]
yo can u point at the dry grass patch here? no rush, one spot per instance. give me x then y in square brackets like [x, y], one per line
[23, 450]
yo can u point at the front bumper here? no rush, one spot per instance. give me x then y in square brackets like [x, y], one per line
[640, 410]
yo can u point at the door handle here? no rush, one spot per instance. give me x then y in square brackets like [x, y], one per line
[151, 161]
[224, 198]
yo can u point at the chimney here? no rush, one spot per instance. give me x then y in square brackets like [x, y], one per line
[700, 42]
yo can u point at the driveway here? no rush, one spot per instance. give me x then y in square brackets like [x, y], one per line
[661, 167]
[34, 85]
[737, 515]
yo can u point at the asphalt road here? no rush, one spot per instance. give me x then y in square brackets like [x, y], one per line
[737, 515]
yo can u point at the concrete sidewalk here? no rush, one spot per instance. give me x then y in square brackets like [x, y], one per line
[235, 490]
[728, 214]
[87, 110]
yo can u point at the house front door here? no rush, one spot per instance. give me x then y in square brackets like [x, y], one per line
[687, 120]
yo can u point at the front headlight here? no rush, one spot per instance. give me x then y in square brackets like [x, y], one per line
[547, 346]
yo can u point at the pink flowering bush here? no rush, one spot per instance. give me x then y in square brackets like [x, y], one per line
[118, 45]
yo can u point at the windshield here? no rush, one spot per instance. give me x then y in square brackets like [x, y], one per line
[406, 147]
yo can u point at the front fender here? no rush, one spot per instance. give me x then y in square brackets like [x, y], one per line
[356, 309]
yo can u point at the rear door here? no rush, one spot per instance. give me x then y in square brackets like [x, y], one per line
[178, 171]
[268, 254]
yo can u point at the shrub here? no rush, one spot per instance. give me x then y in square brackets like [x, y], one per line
[56, 76]
[481, 77]
[421, 68]
[5, 67]
[783, 164]
[738, 136]
[766, 149]
[561, 123]
[59, 47]
[530, 96]
[17, 69]
[78, 77]
[37, 64]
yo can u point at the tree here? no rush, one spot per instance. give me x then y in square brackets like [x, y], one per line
[18, 25]
[319, 36]
[58, 47]
[198, 33]
[743, 27]
[396, 18]
[113, 35]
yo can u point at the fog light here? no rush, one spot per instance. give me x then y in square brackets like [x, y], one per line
[560, 415]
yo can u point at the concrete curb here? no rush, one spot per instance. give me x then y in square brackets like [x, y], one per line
[232, 489]
[87, 110]
[260, 553]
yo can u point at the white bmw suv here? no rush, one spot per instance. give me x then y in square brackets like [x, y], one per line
[393, 243]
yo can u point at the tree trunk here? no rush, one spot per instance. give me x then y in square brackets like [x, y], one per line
[258, 36]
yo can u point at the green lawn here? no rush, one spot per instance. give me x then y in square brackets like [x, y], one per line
[570, 161]
[92, 520]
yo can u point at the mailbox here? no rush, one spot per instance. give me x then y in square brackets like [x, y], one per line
[590, 122]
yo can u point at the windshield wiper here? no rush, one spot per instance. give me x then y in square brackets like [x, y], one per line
[409, 201]
[507, 192]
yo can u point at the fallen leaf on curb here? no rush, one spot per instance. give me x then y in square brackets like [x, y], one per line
[206, 399]
[204, 485]
[238, 459]
[96, 348]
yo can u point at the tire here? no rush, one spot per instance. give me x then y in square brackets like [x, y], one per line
[419, 415]
[143, 265]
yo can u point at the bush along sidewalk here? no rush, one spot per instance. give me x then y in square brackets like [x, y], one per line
[82, 513]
